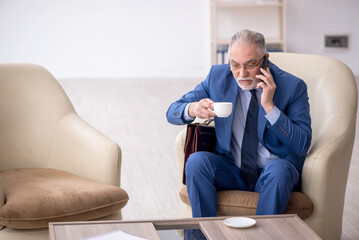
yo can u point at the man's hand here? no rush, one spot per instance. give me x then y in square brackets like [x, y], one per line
[200, 109]
[269, 87]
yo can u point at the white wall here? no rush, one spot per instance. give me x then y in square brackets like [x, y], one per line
[107, 38]
[308, 21]
[149, 38]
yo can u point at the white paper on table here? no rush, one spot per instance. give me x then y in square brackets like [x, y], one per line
[116, 235]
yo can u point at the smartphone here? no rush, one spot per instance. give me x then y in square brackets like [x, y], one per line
[265, 63]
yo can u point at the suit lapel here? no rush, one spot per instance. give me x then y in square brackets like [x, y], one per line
[261, 124]
[230, 94]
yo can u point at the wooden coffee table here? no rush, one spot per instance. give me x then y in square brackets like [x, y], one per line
[287, 226]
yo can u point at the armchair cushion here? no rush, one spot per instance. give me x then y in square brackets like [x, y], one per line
[36, 196]
[239, 203]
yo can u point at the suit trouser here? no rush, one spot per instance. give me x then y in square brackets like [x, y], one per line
[206, 173]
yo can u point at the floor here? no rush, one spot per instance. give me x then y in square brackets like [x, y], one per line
[132, 113]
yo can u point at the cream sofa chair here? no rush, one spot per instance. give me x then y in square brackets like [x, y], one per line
[43, 139]
[332, 93]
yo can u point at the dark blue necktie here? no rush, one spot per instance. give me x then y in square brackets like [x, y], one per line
[250, 144]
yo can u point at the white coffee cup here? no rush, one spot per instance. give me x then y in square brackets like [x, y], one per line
[222, 109]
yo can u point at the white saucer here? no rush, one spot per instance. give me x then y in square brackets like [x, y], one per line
[239, 222]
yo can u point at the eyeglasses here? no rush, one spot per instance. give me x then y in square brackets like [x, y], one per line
[245, 67]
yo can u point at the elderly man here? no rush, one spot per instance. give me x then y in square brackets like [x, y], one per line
[262, 145]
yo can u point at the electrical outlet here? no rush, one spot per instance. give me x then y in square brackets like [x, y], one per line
[336, 41]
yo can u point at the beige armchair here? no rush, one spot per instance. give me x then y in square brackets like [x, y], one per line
[53, 165]
[332, 93]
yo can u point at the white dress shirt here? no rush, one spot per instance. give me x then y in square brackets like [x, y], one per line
[239, 122]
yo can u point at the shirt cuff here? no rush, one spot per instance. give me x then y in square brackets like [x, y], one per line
[273, 115]
[186, 116]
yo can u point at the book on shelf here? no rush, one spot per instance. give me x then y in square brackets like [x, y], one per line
[222, 55]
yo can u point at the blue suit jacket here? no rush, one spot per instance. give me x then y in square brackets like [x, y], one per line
[289, 138]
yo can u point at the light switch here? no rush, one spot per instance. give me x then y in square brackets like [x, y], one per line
[336, 41]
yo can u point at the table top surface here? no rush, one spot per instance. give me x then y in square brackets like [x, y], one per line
[286, 226]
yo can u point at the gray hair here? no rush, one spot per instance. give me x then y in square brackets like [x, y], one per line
[248, 36]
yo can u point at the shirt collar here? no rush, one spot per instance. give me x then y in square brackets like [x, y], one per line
[258, 90]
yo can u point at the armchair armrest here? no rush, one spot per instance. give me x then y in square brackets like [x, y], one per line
[2, 200]
[179, 150]
[80, 149]
[2, 197]
[325, 170]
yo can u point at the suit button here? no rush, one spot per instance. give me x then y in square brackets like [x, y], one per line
[176, 114]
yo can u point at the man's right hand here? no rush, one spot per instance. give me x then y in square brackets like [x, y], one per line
[200, 109]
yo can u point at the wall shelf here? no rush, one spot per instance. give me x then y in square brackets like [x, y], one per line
[228, 17]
